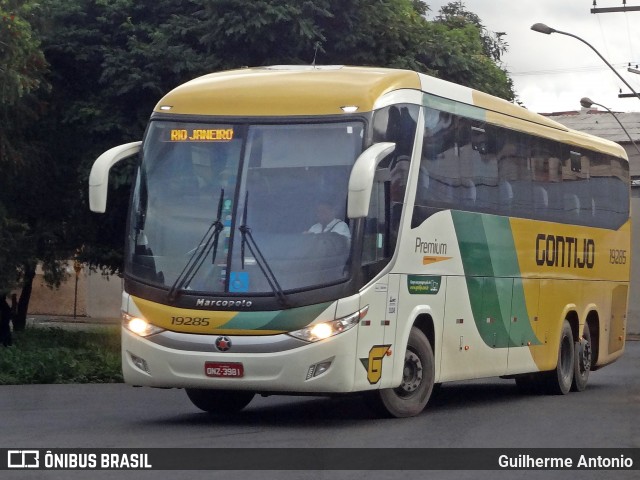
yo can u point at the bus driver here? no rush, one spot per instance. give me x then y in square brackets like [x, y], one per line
[328, 223]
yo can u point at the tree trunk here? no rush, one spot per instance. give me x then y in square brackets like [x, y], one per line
[20, 319]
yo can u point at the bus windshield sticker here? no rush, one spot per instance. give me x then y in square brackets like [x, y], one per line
[200, 135]
[423, 285]
[239, 282]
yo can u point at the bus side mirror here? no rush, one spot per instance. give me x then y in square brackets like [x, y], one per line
[99, 177]
[362, 177]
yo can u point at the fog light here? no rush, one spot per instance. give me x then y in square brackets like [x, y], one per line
[140, 363]
[319, 368]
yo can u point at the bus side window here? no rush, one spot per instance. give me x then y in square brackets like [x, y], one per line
[385, 210]
[438, 175]
[376, 231]
[397, 124]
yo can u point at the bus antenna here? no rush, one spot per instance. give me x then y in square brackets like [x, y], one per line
[315, 53]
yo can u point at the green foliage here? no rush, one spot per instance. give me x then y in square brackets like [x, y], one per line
[391, 33]
[22, 87]
[238, 33]
[54, 355]
[22, 69]
[21, 59]
[471, 54]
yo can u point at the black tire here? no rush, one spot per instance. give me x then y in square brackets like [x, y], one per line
[582, 362]
[219, 401]
[558, 381]
[411, 397]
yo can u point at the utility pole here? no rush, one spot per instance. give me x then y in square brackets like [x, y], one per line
[623, 8]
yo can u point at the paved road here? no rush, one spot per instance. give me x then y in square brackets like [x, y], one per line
[487, 413]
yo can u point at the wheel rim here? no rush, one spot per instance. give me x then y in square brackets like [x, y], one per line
[585, 356]
[411, 375]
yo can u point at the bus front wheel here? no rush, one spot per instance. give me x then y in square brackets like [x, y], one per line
[219, 401]
[411, 397]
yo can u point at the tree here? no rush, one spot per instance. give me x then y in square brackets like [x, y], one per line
[471, 53]
[22, 68]
[22, 84]
[392, 33]
[12, 235]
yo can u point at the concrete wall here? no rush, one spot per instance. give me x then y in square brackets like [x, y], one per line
[104, 295]
[97, 296]
[59, 301]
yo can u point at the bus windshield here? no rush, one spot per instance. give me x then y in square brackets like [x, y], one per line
[233, 208]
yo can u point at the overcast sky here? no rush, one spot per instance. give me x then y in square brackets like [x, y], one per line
[553, 72]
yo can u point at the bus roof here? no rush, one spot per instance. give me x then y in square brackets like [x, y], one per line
[305, 90]
[287, 90]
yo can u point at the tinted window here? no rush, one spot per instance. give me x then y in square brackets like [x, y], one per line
[469, 165]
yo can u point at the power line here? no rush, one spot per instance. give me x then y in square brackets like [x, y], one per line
[629, 35]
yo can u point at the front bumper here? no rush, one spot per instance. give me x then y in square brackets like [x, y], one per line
[278, 363]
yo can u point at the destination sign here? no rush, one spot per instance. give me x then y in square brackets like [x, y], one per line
[201, 135]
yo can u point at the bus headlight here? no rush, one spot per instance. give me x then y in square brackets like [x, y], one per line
[139, 326]
[320, 331]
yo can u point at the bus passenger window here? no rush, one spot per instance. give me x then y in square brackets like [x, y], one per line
[375, 233]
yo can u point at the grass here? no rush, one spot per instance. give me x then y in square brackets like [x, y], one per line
[55, 355]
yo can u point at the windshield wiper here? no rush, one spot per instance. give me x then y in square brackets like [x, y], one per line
[208, 242]
[248, 240]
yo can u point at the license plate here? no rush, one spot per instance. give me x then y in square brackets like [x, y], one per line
[223, 370]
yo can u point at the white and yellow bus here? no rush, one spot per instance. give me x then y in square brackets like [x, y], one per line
[326, 230]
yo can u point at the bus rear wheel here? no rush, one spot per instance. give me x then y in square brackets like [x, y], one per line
[411, 397]
[559, 381]
[582, 362]
[219, 401]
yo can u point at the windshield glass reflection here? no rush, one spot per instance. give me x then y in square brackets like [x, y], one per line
[290, 186]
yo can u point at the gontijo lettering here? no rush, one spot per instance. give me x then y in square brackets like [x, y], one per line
[569, 252]
[201, 135]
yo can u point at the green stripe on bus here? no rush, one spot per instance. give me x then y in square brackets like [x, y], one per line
[284, 320]
[492, 274]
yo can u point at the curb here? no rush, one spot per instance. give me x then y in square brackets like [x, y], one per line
[71, 322]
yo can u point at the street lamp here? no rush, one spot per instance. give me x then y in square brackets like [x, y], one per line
[547, 30]
[586, 102]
